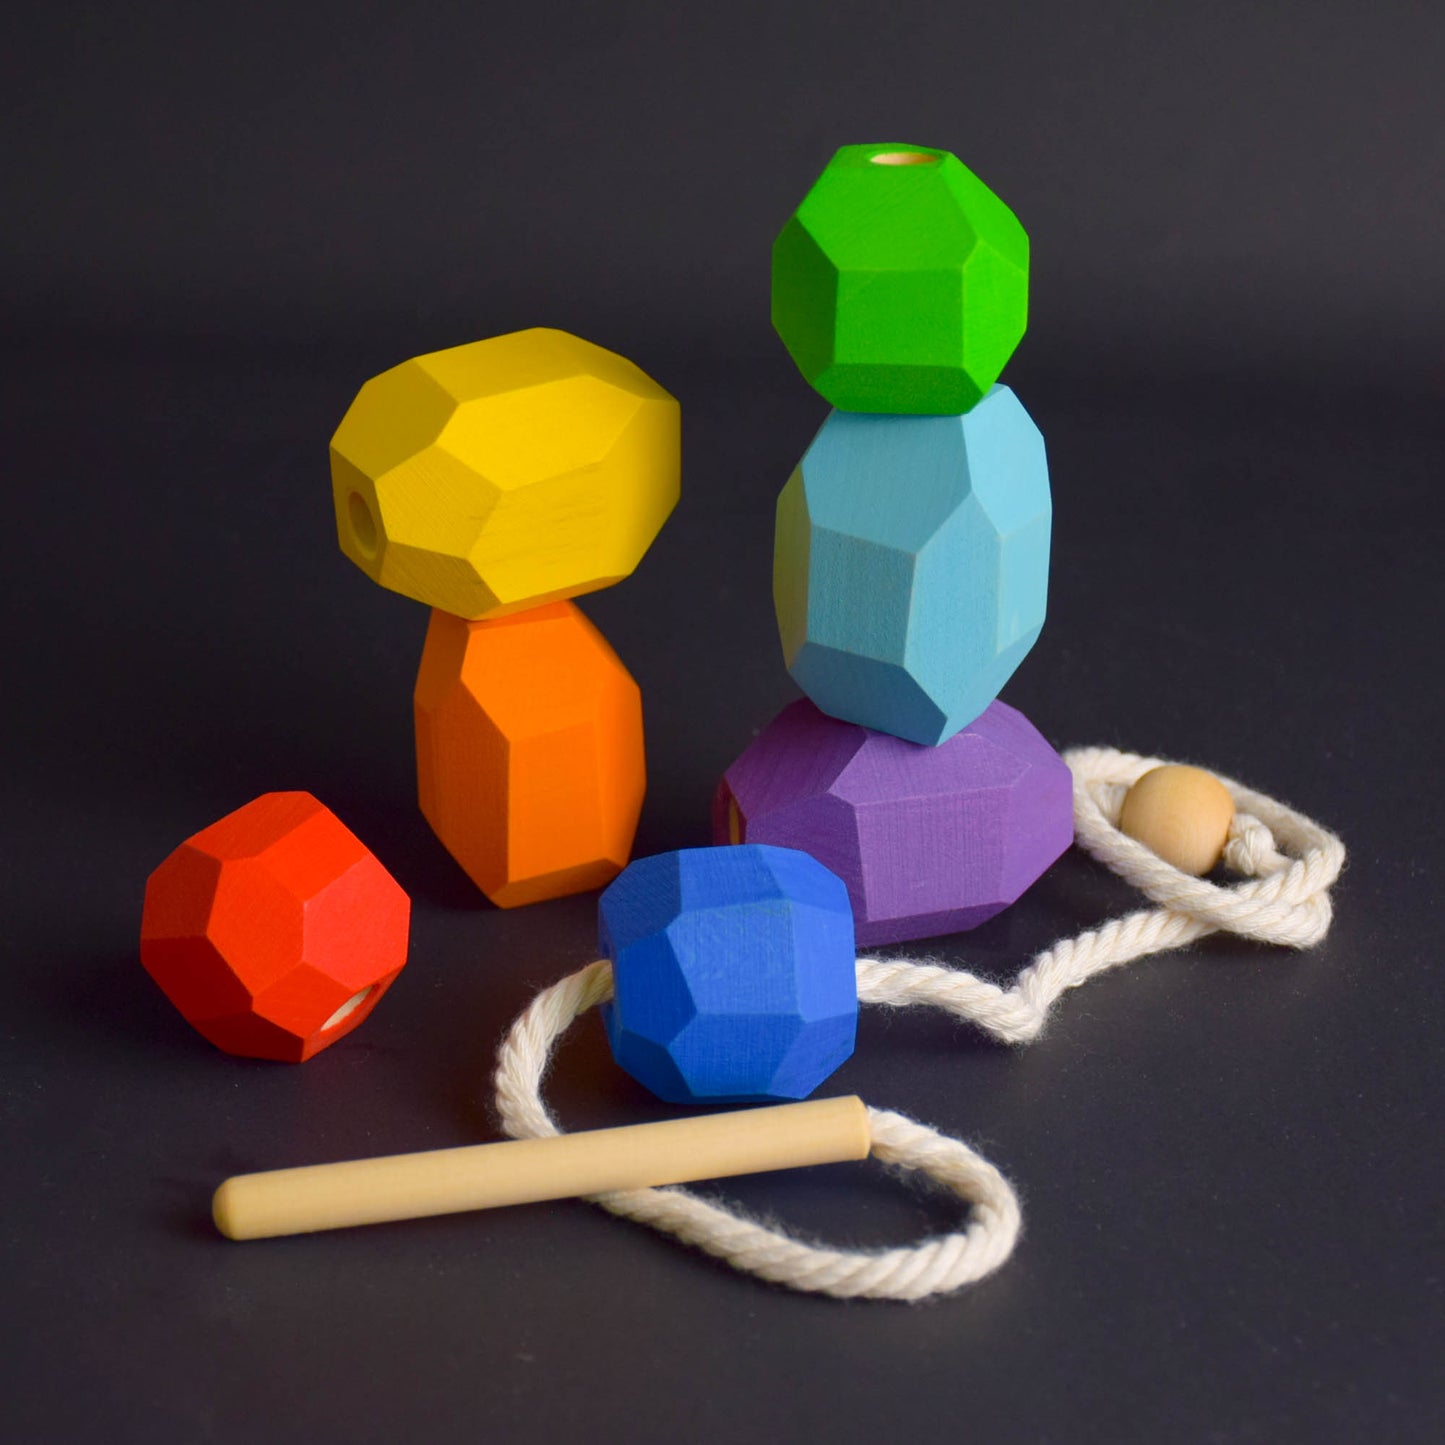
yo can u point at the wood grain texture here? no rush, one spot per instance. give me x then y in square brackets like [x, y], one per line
[497, 476]
[274, 931]
[927, 840]
[1181, 813]
[523, 1171]
[733, 971]
[529, 750]
[910, 564]
[900, 284]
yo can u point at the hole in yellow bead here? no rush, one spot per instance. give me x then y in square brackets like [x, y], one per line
[363, 524]
[904, 158]
[348, 1008]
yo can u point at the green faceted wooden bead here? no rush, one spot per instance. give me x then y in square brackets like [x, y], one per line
[901, 282]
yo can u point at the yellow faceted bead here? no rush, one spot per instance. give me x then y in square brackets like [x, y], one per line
[505, 474]
[1181, 813]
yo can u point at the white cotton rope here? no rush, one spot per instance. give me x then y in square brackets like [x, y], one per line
[1288, 863]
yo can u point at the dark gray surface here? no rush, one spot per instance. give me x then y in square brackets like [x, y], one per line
[1229, 1158]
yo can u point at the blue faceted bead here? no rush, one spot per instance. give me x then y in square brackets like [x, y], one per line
[733, 973]
[911, 564]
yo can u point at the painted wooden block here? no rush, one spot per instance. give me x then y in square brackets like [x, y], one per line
[530, 764]
[734, 973]
[927, 840]
[501, 475]
[901, 283]
[274, 931]
[911, 563]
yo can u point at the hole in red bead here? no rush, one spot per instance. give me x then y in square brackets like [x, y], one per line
[348, 1008]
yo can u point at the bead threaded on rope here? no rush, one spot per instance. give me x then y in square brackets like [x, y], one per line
[1288, 863]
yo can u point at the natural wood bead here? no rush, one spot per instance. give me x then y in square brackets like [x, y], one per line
[1181, 813]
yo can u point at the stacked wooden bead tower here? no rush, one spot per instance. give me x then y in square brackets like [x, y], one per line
[911, 558]
[493, 482]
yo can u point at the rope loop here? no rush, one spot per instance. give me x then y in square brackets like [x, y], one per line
[934, 1266]
[1287, 863]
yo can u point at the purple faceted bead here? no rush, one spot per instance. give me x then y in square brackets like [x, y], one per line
[928, 839]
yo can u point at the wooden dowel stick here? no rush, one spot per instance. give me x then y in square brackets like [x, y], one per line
[520, 1171]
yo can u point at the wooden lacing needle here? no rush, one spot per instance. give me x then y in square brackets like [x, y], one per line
[522, 1171]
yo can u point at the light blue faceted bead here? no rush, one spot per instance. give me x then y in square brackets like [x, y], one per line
[733, 973]
[911, 564]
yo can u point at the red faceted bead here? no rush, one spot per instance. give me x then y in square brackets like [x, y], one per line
[274, 931]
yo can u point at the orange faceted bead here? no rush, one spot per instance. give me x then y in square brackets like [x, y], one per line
[274, 931]
[530, 764]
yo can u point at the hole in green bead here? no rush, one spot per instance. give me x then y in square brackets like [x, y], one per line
[904, 158]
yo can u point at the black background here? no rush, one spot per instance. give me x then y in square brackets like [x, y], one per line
[221, 222]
